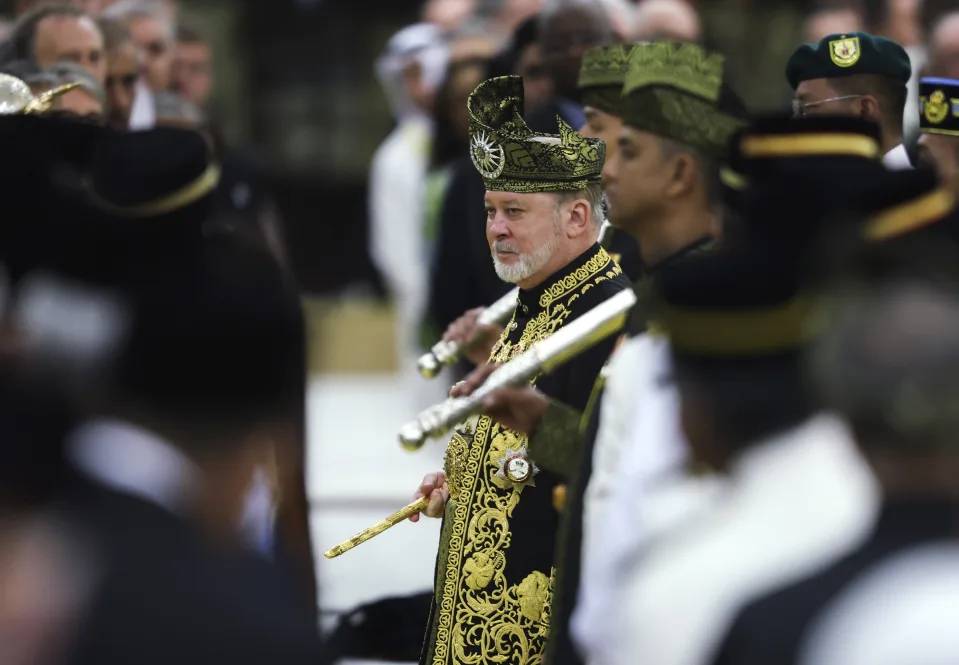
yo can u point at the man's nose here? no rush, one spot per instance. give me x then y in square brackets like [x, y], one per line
[609, 171]
[497, 225]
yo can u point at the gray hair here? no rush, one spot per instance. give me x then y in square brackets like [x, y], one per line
[127, 10]
[593, 194]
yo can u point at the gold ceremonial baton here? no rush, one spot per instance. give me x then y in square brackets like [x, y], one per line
[597, 324]
[417, 506]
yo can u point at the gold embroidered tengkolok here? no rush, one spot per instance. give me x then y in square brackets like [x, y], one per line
[482, 617]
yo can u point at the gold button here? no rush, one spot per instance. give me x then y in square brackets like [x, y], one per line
[559, 498]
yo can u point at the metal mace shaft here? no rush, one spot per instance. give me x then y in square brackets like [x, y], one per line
[600, 322]
[597, 324]
[446, 353]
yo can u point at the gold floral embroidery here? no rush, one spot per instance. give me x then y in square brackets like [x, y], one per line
[481, 618]
[532, 593]
[578, 278]
[456, 458]
[598, 268]
[479, 570]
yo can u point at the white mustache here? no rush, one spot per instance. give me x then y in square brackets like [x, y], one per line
[505, 247]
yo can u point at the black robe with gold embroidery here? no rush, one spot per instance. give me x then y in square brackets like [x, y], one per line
[495, 564]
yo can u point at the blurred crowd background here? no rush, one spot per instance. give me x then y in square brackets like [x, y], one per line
[342, 129]
[293, 86]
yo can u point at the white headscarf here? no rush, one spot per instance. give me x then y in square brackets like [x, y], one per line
[420, 43]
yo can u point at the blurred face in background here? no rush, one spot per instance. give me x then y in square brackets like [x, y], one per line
[448, 14]
[74, 39]
[463, 80]
[155, 41]
[193, 72]
[902, 23]
[565, 38]
[673, 20]
[514, 12]
[830, 22]
[944, 47]
[419, 92]
[171, 7]
[123, 72]
[537, 84]
[92, 7]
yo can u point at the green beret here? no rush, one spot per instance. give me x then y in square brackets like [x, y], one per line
[939, 106]
[602, 74]
[848, 55]
[513, 158]
[678, 91]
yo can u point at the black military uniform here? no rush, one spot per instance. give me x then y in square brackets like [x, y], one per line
[496, 560]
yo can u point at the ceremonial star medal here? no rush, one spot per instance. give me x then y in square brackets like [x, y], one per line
[845, 52]
[516, 467]
[487, 156]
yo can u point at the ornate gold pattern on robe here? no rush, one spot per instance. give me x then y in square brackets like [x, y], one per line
[482, 619]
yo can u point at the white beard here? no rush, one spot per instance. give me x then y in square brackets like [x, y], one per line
[526, 265]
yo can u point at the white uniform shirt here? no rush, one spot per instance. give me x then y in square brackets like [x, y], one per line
[132, 460]
[897, 159]
[791, 504]
[905, 610]
[640, 451]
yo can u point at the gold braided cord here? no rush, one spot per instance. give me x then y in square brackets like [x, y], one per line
[910, 216]
[738, 332]
[944, 132]
[181, 198]
[855, 145]
[732, 179]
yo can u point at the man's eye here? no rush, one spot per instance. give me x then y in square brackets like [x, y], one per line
[490, 212]
[513, 211]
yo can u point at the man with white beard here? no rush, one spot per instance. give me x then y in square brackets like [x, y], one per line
[496, 563]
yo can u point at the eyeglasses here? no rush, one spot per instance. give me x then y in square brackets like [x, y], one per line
[800, 107]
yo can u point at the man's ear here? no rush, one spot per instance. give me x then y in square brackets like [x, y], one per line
[579, 219]
[683, 171]
[869, 109]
